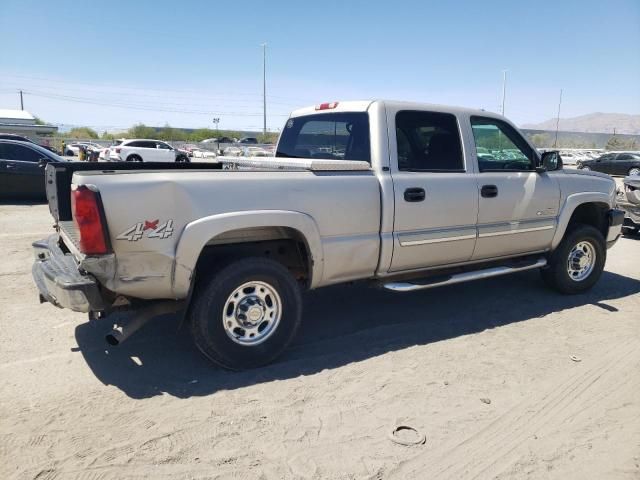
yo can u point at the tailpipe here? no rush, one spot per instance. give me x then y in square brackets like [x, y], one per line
[122, 331]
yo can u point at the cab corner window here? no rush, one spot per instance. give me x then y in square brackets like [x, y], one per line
[500, 147]
[428, 142]
[332, 136]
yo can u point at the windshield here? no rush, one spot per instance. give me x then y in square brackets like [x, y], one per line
[333, 136]
[48, 153]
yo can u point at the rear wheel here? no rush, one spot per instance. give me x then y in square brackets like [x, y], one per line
[246, 314]
[576, 265]
[134, 158]
[634, 171]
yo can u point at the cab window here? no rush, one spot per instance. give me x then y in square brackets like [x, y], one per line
[500, 147]
[428, 142]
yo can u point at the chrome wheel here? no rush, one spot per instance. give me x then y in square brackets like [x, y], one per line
[634, 171]
[581, 261]
[252, 313]
[586, 167]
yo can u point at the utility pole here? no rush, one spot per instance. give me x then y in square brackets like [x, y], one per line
[555, 143]
[504, 89]
[21, 102]
[264, 89]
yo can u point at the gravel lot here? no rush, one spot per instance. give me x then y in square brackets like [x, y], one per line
[365, 361]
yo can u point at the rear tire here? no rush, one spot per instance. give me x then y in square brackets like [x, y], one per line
[245, 315]
[134, 158]
[576, 265]
[634, 171]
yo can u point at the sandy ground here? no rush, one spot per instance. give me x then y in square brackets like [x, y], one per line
[365, 361]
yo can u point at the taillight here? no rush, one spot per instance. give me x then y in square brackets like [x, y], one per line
[327, 106]
[85, 205]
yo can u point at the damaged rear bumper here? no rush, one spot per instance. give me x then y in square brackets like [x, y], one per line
[59, 281]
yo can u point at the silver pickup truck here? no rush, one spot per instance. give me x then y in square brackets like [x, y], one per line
[407, 196]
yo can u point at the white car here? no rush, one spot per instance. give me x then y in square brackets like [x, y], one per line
[232, 152]
[143, 150]
[201, 153]
[74, 148]
[256, 152]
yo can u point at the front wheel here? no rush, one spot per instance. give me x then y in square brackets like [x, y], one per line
[586, 167]
[182, 159]
[576, 265]
[246, 315]
[634, 171]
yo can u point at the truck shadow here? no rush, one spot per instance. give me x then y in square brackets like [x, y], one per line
[341, 325]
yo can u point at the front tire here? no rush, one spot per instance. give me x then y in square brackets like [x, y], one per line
[245, 315]
[182, 159]
[586, 167]
[576, 265]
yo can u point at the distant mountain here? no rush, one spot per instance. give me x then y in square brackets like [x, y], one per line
[594, 123]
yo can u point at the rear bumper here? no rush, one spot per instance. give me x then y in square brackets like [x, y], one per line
[616, 219]
[59, 282]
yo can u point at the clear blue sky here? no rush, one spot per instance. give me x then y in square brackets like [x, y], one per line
[185, 62]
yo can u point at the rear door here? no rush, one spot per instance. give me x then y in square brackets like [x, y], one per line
[435, 190]
[23, 175]
[621, 164]
[518, 207]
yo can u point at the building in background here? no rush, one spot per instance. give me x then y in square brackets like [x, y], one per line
[21, 122]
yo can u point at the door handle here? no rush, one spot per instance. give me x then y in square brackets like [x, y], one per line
[489, 191]
[414, 195]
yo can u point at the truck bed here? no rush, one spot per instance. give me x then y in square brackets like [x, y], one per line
[59, 175]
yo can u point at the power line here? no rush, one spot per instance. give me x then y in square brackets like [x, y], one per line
[132, 106]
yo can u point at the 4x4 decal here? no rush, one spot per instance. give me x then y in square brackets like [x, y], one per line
[150, 228]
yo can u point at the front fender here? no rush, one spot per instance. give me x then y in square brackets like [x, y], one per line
[197, 234]
[572, 202]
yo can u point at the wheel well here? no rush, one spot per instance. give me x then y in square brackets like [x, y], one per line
[282, 244]
[594, 214]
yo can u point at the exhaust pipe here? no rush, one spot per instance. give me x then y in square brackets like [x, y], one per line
[124, 330]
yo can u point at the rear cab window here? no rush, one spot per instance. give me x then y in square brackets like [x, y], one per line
[333, 136]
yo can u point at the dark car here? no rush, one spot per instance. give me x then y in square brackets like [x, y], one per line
[13, 136]
[620, 163]
[22, 169]
[248, 140]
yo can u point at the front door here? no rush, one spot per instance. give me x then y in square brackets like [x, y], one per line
[436, 195]
[518, 207]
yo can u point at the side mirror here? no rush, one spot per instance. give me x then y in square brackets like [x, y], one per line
[550, 162]
[43, 162]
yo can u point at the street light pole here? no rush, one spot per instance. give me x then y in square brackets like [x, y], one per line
[504, 89]
[264, 89]
[555, 143]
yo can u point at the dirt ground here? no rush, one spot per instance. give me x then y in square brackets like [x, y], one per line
[365, 361]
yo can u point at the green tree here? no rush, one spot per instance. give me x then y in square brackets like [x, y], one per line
[618, 143]
[82, 132]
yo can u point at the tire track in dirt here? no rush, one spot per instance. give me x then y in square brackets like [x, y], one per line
[489, 448]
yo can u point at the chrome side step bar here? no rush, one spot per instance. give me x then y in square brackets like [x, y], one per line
[439, 281]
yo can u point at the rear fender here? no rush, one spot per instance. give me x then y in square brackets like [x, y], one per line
[196, 235]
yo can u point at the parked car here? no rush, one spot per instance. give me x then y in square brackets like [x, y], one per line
[219, 140]
[615, 163]
[72, 149]
[13, 136]
[143, 150]
[232, 152]
[202, 153]
[629, 201]
[22, 169]
[255, 152]
[248, 141]
[402, 205]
